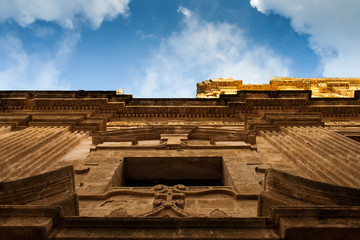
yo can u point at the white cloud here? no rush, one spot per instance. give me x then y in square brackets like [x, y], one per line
[143, 35]
[22, 70]
[203, 50]
[332, 26]
[186, 12]
[63, 12]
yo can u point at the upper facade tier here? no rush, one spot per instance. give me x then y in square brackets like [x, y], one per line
[320, 87]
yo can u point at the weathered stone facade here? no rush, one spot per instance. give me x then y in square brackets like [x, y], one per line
[320, 87]
[260, 164]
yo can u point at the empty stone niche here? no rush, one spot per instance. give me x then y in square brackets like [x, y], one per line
[170, 171]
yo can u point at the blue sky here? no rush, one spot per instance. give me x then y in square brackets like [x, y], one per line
[162, 48]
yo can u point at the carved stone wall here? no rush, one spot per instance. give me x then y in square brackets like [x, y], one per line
[179, 168]
[320, 87]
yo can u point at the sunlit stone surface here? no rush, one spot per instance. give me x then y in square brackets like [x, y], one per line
[281, 162]
[320, 87]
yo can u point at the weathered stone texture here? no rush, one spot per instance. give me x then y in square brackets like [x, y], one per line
[259, 164]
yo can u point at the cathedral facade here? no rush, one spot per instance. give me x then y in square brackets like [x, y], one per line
[273, 161]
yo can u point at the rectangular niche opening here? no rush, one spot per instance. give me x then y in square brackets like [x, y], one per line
[170, 171]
